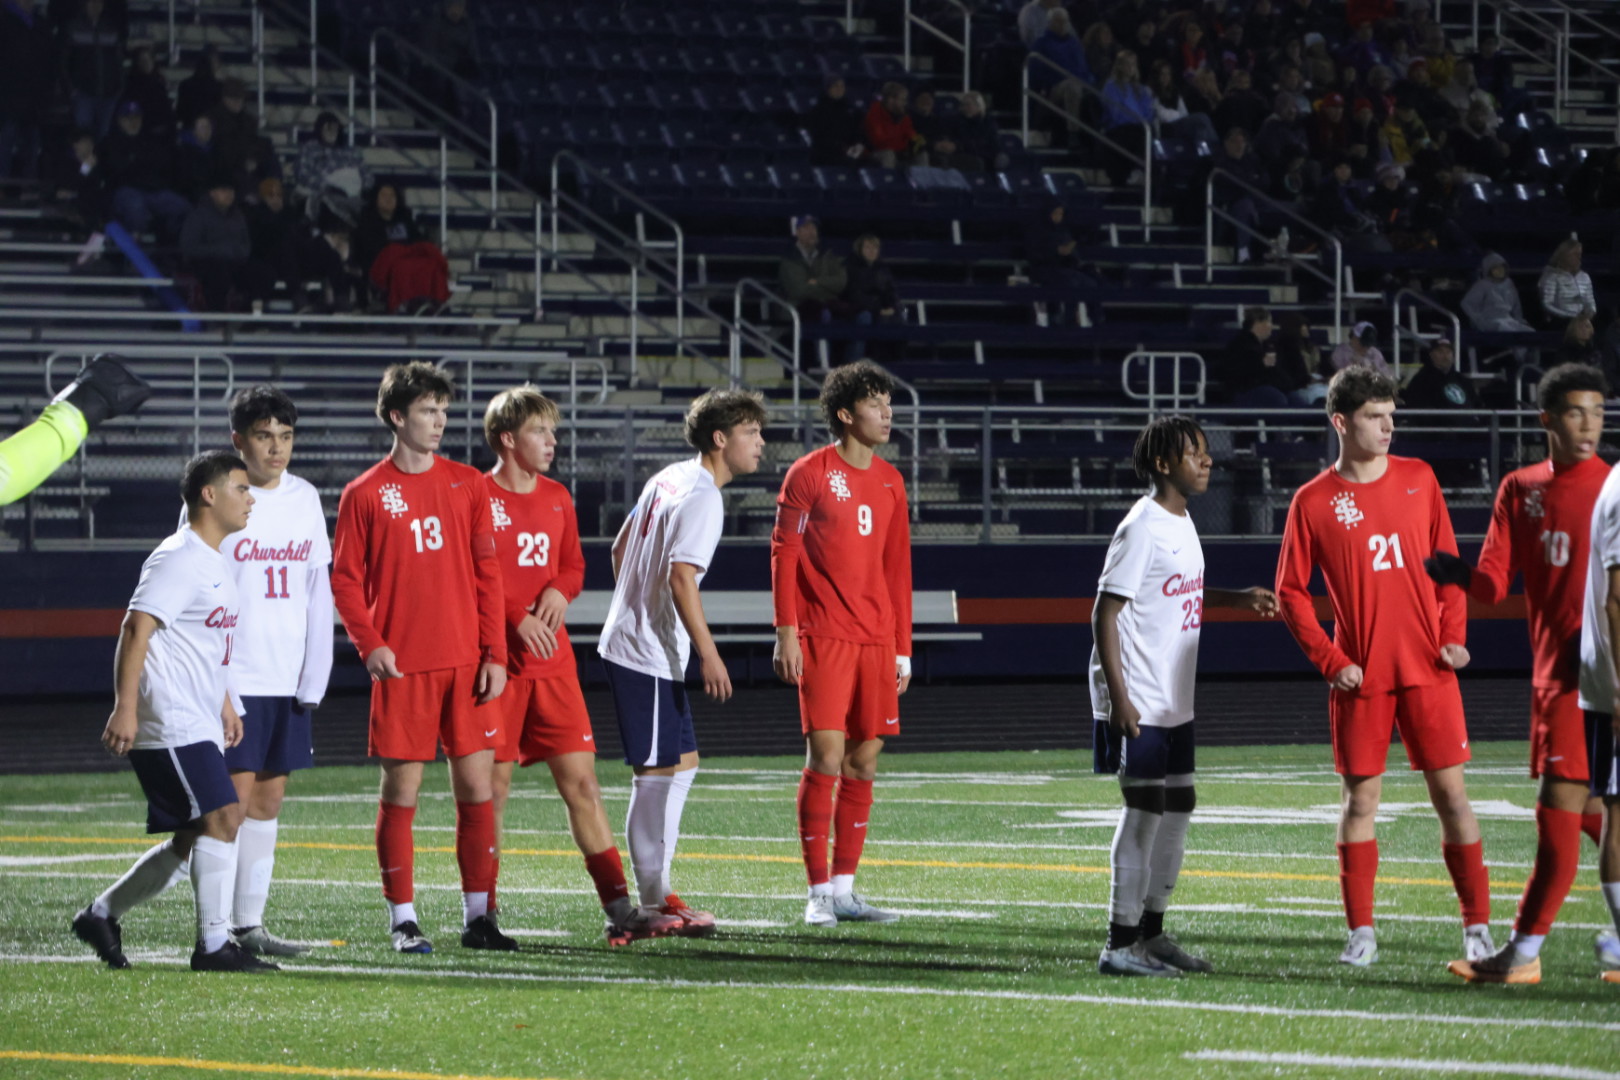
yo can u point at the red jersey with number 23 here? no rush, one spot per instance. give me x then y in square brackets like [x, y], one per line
[413, 567]
[1541, 527]
[841, 552]
[537, 542]
[1370, 541]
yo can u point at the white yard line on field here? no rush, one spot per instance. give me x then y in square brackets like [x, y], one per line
[1432, 1065]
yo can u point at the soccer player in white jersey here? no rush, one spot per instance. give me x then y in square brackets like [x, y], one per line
[172, 715]
[659, 559]
[1146, 622]
[283, 654]
[1600, 688]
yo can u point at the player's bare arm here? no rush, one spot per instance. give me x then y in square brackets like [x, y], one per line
[380, 664]
[683, 589]
[1122, 713]
[231, 720]
[1611, 613]
[491, 681]
[788, 659]
[133, 639]
[1257, 598]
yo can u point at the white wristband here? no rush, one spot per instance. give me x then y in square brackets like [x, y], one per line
[902, 665]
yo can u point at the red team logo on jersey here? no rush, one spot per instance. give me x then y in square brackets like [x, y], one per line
[250, 551]
[1178, 585]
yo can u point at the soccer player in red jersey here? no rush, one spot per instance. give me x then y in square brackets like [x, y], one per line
[1541, 527]
[841, 584]
[1368, 522]
[415, 578]
[542, 712]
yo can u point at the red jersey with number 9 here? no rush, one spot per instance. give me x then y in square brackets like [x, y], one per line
[1370, 541]
[537, 542]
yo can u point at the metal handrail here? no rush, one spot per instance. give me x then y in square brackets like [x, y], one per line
[573, 363]
[456, 80]
[965, 46]
[1143, 161]
[1560, 40]
[1152, 395]
[79, 315]
[1418, 299]
[1210, 210]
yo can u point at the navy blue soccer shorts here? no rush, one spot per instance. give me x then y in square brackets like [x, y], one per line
[276, 737]
[1602, 755]
[655, 717]
[182, 783]
[1157, 752]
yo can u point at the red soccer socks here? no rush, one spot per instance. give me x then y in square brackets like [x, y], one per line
[1466, 864]
[815, 822]
[849, 824]
[475, 846]
[1592, 825]
[607, 871]
[1358, 869]
[1558, 859]
[396, 857]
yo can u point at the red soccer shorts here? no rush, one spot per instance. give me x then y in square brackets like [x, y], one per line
[1430, 720]
[540, 719]
[1557, 735]
[850, 688]
[410, 716]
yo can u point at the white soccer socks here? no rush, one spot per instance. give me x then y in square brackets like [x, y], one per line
[255, 863]
[213, 880]
[1164, 864]
[1129, 859]
[644, 828]
[151, 875]
[680, 787]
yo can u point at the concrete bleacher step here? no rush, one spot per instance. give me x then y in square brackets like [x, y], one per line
[618, 326]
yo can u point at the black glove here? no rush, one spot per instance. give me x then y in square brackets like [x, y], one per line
[1448, 569]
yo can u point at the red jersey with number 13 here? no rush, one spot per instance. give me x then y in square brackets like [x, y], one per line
[841, 552]
[537, 542]
[1370, 541]
[1541, 527]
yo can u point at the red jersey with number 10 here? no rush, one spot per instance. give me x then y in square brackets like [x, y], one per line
[1370, 541]
[413, 567]
[841, 552]
[537, 542]
[1541, 527]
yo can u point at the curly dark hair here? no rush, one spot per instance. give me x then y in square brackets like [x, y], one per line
[1566, 379]
[1166, 439]
[847, 385]
[1356, 385]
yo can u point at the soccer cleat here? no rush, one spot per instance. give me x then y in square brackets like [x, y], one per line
[482, 933]
[1134, 959]
[819, 912]
[1506, 966]
[638, 924]
[106, 389]
[694, 923]
[1610, 976]
[1362, 948]
[850, 907]
[408, 938]
[1607, 947]
[228, 957]
[1477, 943]
[1164, 948]
[261, 942]
[103, 935]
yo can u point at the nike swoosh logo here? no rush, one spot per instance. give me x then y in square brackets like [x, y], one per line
[1560, 757]
[1465, 744]
[1177, 551]
[860, 824]
[217, 584]
[589, 737]
[894, 721]
[491, 734]
[1411, 491]
[456, 483]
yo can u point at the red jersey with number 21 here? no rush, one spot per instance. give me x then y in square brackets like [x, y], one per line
[1370, 541]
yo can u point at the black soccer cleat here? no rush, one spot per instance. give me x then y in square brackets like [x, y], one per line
[106, 389]
[228, 957]
[103, 935]
[482, 933]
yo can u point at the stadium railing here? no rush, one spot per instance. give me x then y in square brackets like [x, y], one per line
[1414, 300]
[964, 46]
[1549, 25]
[1151, 363]
[1277, 209]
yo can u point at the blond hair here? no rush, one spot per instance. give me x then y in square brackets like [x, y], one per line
[510, 409]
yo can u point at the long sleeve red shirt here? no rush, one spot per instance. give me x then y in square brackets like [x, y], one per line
[537, 543]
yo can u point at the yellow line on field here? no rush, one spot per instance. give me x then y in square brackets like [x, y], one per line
[239, 1067]
[927, 864]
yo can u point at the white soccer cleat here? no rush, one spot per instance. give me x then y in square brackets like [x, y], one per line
[1362, 948]
[407, 938]
[1134, 959]
[261, 942]
[819, 912]
[1165, 949]
[851, 908]
[1477, 943]
[1607, 947]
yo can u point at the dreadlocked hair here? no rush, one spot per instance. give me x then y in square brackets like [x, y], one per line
[1164, 439]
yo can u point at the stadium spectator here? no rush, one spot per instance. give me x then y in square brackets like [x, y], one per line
[1329, 134]
[1492, 303]
[1360, 349]
[147, 85]
[449, 38]
[1033, 18]
[1565, 289]
[1580, 344]
[1252, 370]
[1464, 91]
[1261, 27]
[93, 57]
[1390, 204]
[869, 289]
[1337, 207]
[939, 133]
[1291, 81]
[1128, 115]
[1281, 141]
[384, 221]
[238, 145]
[1203, 94]
[1230, 52]
[331, 174]
[1050, 246]
[280, 236]
[80, 183]
[139, 172]
[216, 247]
[1595, 185]
[396, 255]
[1170, 107]
[1101, 48]
[1235, 191]
[1240, 106]
[834, 126]
[329, 260]
[27, 74]
[1064, 75]
[1297, 349]
[1191, 52]
[976, 133]
[1405, 133]
[1368, 148]
[1437, 210]
[1474, 145]
[194, 159]
[1148, 46]
[1438, 55]
[1494, 73]
[812, 278]
[199, 92]
[1438, 384]
[890, 135]
[1437, 114]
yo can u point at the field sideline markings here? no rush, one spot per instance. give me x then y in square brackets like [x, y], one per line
[205, 1065]
[1471, 1068]
[702, 856]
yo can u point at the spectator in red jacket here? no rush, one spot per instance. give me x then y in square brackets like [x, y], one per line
[889, 131]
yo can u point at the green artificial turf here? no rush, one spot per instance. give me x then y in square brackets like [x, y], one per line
[999, 862]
